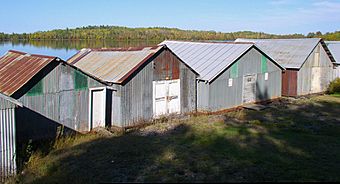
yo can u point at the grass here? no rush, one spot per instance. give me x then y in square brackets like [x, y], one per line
[336, 95]
[294, 140]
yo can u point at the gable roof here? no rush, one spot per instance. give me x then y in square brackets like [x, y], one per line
[113, 65]
[17, 68]
[334, 47]
[291, 53]
[208, 59]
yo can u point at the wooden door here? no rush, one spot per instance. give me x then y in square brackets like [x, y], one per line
[98, 106]
[249, 89]
[166, 97]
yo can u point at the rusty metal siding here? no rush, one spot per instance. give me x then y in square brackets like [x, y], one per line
[221, 96]
[17, 68]
[60, 101]
[7, 139]
[305, 77]
[289, 83]
[166, 67]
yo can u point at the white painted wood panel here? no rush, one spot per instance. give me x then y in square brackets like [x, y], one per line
[166, 97]
[249, 89]
[174, 102]
[98, 105]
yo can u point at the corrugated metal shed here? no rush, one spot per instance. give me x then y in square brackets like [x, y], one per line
[291, 53]
[334, 47]
[17, 68]
[208, 59]
[7, 136]
[112, 65]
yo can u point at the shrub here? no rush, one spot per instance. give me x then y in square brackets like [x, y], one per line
[334, 86]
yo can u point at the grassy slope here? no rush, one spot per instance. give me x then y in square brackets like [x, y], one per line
[298, 141]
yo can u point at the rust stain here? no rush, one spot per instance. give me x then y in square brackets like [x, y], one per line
[166, 66]
[17, 68]
[113, 64]
[135, 68]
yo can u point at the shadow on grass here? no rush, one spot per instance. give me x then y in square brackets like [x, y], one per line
[272, 145]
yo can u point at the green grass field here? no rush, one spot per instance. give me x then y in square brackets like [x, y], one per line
[292, 140]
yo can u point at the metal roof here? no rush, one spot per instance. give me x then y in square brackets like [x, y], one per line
[112, 65]
[334, 47]
[291, 53]
[208, 59]
[10, 99]
[17, 68]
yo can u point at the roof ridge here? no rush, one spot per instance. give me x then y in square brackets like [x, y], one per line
[288, 39]
[124, 48]
[17, 52]
[212, 41]
[29, 54]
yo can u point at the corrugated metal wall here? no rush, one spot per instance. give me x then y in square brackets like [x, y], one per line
[322, 67]
[202, 96]
[336, 72]
[135, 97]
[7, 139]
[60, 101]
[188, 89]
[116, 106]
[221, 96]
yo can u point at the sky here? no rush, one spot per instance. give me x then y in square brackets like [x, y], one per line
[270, 16]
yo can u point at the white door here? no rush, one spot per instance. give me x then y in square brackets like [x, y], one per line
[166, 97]
[159, 98]
[316, 80]
[98, 100]
[249, 89]
[174, 96]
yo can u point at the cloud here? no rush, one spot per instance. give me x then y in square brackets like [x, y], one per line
[301, 17]
[327, 6]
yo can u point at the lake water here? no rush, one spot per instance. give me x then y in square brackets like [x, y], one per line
[66, 49]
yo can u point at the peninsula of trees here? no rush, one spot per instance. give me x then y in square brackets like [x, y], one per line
[152, 33]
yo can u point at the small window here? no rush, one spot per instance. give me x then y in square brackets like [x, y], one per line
[36, 90]
[230, 82]
[234, 70]
[80, 80]
[264, 67]
[266, 76]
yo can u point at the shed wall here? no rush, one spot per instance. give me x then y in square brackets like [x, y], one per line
[221, 96]
[7, 140]
[318, 71]
[203, 96]
[336, 72]
[62, 98]
[135, 97]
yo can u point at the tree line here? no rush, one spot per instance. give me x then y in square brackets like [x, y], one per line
[151, 33]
